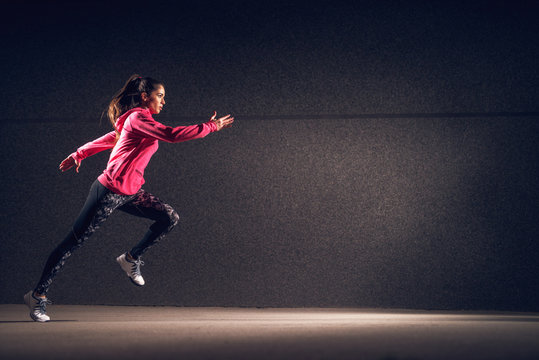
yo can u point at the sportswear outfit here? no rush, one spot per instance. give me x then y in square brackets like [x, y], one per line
[119, 187]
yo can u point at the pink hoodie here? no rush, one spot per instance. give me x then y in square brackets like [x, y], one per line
[139, 135]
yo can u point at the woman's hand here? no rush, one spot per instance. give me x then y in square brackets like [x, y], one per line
[68, 163]
[223, 122]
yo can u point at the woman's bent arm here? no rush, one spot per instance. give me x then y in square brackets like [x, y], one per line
[105, 142]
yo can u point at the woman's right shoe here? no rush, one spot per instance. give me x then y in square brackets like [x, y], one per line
[132, 269]
[37, 306]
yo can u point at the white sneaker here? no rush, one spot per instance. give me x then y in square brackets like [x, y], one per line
[132, 269]
[37, 306]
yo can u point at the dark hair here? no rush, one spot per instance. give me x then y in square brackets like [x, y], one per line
[129, 97]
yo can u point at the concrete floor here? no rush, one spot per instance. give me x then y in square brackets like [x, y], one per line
[127, 332]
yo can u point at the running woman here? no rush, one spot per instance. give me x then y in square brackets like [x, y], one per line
[133, 141]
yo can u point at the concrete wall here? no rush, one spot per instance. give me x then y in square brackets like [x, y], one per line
[384, 155]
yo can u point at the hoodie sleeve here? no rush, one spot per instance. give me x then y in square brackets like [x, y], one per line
[105, 142]
[146, 126]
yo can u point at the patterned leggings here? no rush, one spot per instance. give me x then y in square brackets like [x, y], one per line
[101, 202]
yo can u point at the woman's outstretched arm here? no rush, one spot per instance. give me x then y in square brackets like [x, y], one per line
[147, 126]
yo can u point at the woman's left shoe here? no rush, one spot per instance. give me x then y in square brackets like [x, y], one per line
[37, 306]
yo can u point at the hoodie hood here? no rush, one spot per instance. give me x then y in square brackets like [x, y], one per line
[121, 120]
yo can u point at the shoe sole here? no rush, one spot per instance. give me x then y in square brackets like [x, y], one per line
[36, 319]
[133, 281]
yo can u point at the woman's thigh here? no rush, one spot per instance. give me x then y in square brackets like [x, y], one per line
[148, 206]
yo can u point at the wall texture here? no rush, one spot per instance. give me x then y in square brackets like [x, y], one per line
[385, 154]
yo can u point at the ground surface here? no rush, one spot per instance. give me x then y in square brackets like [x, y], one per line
[124, 332]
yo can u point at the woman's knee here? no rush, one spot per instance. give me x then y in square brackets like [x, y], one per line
[174, 218]
[170, 218]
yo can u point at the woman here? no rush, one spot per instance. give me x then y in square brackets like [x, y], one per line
[133, 142]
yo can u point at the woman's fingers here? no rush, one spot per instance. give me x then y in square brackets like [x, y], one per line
[68, 163]
[228, 122]
[227, 118]
[65, 165]
[222, 122]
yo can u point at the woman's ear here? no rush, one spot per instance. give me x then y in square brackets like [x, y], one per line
[144, 97]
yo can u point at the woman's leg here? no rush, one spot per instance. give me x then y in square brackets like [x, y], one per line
[149, 206]
[100, 203]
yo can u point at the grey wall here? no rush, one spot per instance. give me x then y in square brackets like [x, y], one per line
[384, 155]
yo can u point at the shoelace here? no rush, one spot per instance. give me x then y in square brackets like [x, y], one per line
[42, 305]
[135, 270]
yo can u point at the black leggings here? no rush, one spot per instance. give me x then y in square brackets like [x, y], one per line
[101, 202]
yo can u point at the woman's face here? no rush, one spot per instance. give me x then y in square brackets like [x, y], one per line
[155, 101]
